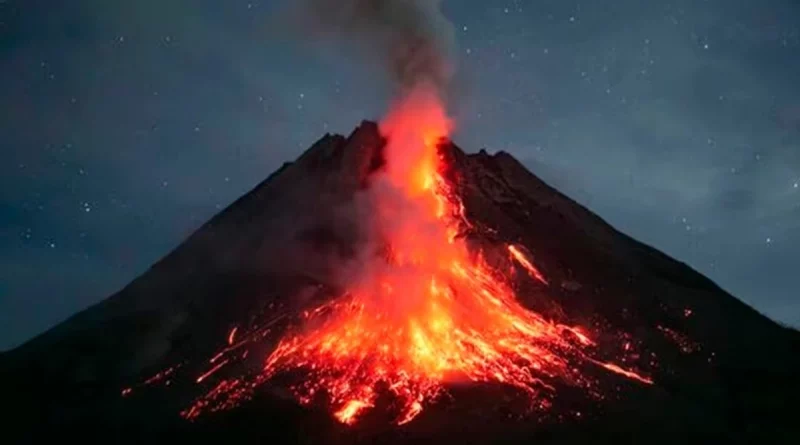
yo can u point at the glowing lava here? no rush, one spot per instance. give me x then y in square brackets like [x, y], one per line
[424, 311]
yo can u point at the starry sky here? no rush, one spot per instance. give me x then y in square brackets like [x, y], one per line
[125, 125]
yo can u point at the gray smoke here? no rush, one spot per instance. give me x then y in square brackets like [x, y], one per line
[411, 39]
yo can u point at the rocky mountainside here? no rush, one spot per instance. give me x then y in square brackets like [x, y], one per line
[122, 370]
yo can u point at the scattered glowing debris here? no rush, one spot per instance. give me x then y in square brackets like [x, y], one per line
[686, 345]
[517, 255]
[350, 410]
[629, 374]
[232, 335]
[216, 368]
[161, 375]
[427, 313]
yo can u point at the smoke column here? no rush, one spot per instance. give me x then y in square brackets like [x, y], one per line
[411, 39]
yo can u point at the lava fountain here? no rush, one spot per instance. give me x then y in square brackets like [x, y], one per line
[424, 310]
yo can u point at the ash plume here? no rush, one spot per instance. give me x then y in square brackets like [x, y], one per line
[412, 42]
[411, 39]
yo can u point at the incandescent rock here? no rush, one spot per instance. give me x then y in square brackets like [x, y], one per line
[269, 253]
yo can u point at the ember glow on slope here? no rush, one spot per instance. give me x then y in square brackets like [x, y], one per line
[425, 310]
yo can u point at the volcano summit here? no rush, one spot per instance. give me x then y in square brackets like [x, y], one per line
[388, 287]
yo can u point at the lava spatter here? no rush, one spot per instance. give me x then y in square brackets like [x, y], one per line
[428, 312]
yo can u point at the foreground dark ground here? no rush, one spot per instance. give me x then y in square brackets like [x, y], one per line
[723, 373]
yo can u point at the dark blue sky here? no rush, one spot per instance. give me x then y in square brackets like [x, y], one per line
[125, 125]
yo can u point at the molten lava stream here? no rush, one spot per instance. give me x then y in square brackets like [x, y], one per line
[423, 311]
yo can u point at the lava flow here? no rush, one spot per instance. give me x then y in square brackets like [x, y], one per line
[425, 310]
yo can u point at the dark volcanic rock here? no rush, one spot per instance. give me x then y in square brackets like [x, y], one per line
[723, 372]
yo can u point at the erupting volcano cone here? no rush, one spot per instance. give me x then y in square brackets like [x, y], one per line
[389, 287]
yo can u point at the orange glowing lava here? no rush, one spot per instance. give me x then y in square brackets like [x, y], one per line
[425, 310]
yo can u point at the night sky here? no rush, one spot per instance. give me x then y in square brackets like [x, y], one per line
[125, 125]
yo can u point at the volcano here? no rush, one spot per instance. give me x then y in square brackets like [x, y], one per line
[367, 292]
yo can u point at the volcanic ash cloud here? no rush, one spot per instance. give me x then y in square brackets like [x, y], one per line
[411, 39]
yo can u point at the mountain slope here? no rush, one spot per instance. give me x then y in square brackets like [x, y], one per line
[722, 371]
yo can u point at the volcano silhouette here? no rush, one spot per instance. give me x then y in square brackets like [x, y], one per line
[123, 370]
